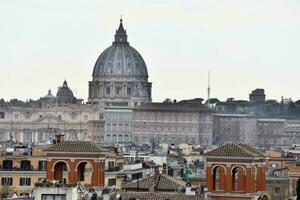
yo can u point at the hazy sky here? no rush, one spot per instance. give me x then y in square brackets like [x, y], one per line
[246, 44]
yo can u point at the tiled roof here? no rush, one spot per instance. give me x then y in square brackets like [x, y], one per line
[155, 196]
[161, 182]
[174, 107]
[294, 169]
[74, 146]
[235, 150]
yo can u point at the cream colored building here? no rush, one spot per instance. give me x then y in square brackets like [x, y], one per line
[21, 169]
[35, 124]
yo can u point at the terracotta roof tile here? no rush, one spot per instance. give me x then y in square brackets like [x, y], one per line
[235, 150]
[155, 196]
[74, 146]
[161, 182]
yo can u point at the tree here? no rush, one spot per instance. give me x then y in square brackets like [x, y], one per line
[298, 189]
[4, 191]
[94, 196]
[167, 100]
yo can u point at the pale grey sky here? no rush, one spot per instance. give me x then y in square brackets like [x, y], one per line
[244, 43]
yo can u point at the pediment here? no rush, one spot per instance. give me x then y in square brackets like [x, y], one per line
[49, 118]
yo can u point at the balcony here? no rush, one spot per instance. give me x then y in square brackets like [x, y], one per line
[113, 169]
[17, 169]
[132, 166]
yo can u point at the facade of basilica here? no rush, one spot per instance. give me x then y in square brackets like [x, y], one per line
[119, 108]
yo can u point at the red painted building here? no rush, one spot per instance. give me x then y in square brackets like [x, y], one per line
[235, 171]
[71, 162]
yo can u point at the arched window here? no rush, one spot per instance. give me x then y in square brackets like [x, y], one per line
[218, 173]
[59, 169]
[83, 170]
[238, 179]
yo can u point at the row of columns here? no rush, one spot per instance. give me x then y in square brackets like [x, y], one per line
[33, 136]
[99, 91]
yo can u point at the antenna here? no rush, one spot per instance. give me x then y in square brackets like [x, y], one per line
[208, 88]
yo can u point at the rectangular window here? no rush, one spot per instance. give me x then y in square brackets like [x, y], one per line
[25, 181]
[2, 115]
[277, 190]
[111, 182]
[42, 165]
[41, 180]
[101, 116]
[53, 197]
[118, 91]
[107, 90]
[7, 181]
[129, 91]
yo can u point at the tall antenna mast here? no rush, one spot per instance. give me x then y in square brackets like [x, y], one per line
[208, 88]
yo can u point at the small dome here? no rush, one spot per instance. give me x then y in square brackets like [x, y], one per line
[64, 91]
[49, 95]
[65, 95]
[120, 59]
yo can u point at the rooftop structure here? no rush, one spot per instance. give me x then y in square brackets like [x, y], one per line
[235, 171]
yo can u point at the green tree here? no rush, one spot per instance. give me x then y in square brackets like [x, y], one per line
[298, 189]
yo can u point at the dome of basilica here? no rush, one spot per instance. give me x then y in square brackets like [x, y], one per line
[120, 76]
[120, 59]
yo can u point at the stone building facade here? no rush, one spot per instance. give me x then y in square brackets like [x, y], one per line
[35, 124]
[263, 132]
[278, 132]
[172, 123]
[234, 128]
[118, 124]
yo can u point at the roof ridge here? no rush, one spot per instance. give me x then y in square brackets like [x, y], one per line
[170, 178]
[235, 150]
[254, 149]
[241, 147]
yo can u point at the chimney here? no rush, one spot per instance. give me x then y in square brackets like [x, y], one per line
[156, 175]
[164, 170]
[152, 187]
[59, 138]
[189, 191]
[156, 171]
[105, 194]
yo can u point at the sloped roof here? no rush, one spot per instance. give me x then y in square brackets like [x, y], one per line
[174, 107]
[155, 196]
[74, 146]
[161, 182]
[235, 150]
